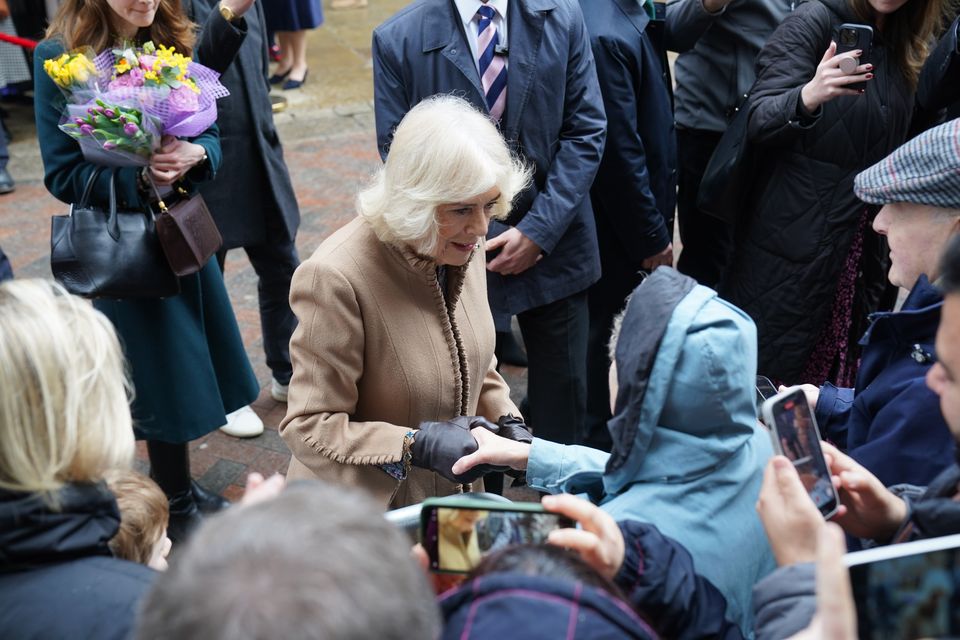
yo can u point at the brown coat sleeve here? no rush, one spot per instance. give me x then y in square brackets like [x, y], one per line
[494, 400]
[327, 351]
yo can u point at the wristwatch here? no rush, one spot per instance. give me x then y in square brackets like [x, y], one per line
[227, 13]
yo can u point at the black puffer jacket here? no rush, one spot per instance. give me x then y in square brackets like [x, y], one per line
[803, 214]
[57, 576]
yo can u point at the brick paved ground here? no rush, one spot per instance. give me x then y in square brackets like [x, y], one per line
[329, 143]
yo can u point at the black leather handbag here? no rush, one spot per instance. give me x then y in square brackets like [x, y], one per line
[725, 183]
[109, 254]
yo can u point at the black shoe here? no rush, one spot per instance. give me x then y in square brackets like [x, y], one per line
[207, 501]
[508, 350]
[277, 78]
[295, 84]
[185, 517]
[6, 182]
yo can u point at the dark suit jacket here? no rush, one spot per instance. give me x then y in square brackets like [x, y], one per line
[635, 192]
[554, 119]
[252, 199]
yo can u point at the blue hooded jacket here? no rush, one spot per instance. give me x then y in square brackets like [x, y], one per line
[688, 451]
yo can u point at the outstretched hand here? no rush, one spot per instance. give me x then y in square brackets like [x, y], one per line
[495, 451]
[599, 541]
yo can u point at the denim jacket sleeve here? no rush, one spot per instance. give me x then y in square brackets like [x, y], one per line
[558, 468]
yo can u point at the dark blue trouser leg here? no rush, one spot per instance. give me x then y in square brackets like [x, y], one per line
[556, 339]
[275, 264]
[6, 271]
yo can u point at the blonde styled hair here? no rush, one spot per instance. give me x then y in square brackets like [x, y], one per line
[64, 413]
[144, 514]
[443, 151]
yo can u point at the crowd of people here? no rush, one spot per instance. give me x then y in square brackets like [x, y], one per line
[533, 155]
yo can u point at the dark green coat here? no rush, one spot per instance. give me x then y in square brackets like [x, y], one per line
[187, 360]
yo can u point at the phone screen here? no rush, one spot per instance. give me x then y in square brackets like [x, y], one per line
[455, 538]
[913, 596]
[795, 429]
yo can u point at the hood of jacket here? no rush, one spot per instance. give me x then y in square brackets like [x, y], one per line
[34, 533]
[515, 605]
[686, 367]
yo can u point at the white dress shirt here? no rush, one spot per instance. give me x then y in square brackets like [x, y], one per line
[468, 12]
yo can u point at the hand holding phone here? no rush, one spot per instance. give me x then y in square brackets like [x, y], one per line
[830, 81]
[456, 532]
[795, 436]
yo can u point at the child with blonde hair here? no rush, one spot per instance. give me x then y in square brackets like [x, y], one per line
[144, 514]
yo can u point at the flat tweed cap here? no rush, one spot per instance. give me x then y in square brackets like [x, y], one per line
[925, 170]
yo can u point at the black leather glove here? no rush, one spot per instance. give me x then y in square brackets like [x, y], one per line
[437, 445]
[514, 428]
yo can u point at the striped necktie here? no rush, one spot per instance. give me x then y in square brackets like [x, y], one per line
[493, 68]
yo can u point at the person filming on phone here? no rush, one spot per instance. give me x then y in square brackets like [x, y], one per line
[833, 96]
[890, 422]
[914, 184]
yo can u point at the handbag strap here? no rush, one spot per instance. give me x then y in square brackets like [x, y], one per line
[88, 189]
[113, 223]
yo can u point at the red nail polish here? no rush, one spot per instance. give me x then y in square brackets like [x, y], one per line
[869, 76]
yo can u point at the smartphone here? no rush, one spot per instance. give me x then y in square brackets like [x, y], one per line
[909, 590]
[793, 429]
[457, 532]
[850, 37]
[765, 389]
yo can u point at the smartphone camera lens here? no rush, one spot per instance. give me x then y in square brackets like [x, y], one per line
[848, 37]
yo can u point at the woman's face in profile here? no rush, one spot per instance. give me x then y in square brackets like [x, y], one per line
[462, 226]
[130, 15]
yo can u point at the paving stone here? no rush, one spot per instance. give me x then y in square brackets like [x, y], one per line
[221, 474]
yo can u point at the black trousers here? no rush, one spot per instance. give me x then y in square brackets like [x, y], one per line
[707, 241]
[555, 336]
[606, 299]
[6, 271]
[274, 264]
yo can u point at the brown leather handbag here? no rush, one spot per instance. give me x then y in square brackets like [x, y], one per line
[187, 233]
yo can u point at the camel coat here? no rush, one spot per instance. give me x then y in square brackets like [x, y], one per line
[378, 351]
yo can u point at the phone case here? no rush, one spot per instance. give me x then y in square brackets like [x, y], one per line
[770, 422]
[864, 42]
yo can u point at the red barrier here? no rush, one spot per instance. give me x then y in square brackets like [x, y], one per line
[20, 42]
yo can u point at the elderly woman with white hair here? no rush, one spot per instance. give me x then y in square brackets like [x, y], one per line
[395, 341]
[64, 421]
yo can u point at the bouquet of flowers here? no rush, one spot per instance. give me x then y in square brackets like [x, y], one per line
[120, 102]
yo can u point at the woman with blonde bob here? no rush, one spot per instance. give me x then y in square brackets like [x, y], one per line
[64, 422]
[393, 357]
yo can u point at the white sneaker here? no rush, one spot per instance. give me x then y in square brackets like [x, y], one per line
[278, 391]
[243, 423]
